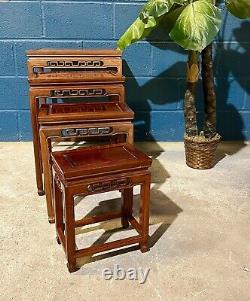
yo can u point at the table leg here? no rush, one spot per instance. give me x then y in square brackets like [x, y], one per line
[144, 213]
[127, 206]
[58, 206]
[130, 136]
[70, 231]
[36, 146]
[45, 148]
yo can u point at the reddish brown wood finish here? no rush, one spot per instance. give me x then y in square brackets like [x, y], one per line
[96, 160]
[48, 66]
[52, 52]
[48, 133]
[38, 96]
[95, 170]
[82, 112]
[114, 91]
[73, 74]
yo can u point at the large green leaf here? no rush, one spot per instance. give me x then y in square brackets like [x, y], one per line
[149, 17]
[168, 21]
[197, 25]
[239, 8]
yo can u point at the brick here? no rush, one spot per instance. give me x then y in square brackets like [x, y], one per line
[234, 29]
[136, 63]
[22, 46]
[169, 60]
[24, 125]
[169, 126]
[138, 60]
[7, 64]
[124, 16]
[246, 128]
[234, 125]
[247, 94]
[20, 20]
[230, 94]
[78, 20]
[232, 59]
[159, 126]
[14, 93]
[147, 94]
[8, 126]
[100, 44]
[156, 70]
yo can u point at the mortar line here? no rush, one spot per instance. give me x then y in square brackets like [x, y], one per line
[43, 19]
[15, 59]
[113, 23]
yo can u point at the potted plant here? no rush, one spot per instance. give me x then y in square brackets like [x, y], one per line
[192, 24]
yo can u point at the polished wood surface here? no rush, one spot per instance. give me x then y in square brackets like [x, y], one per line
[97, 179]
[96, 160]
[74, 112]
[47, 66]
[69, 75]
[111, 132]
[40, 94]
[109, 91]
[69, 52]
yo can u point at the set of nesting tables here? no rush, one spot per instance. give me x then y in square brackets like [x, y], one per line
[79, 95]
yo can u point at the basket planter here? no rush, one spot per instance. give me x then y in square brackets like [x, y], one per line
[200, 152]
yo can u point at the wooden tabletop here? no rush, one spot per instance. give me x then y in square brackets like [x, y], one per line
[99, 160]
[85, 111]
[52, 52]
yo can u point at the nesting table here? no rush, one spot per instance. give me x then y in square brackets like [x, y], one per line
[93, 170]
[74, 94]
[69, 74]
[109, 120]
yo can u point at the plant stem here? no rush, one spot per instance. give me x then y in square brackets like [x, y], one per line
[189, 100]
[209, 92]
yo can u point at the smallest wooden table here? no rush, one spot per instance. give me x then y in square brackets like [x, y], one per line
[94, 170]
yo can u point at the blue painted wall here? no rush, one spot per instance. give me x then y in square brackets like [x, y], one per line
[155, 68]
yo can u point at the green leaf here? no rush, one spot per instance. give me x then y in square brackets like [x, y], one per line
[156, 8]
[239, 8]
[168, 21]
[133, 34]
[148, 19]
[197, 25]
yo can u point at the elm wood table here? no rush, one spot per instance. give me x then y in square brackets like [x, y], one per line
[95, 170]
[48, 66]
[116, 126]
[72, 67]
[41, 95]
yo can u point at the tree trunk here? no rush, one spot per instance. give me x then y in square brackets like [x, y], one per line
[209, 92]
[189, 101]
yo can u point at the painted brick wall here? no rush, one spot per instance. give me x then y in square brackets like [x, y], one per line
[155, 68]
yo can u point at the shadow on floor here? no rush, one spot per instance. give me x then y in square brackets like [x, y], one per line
[163, 211]
[228, 149]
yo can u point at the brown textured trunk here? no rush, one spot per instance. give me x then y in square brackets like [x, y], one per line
[189, 101]
[209, 92]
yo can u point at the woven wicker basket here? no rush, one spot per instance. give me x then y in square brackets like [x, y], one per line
[201, 154]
